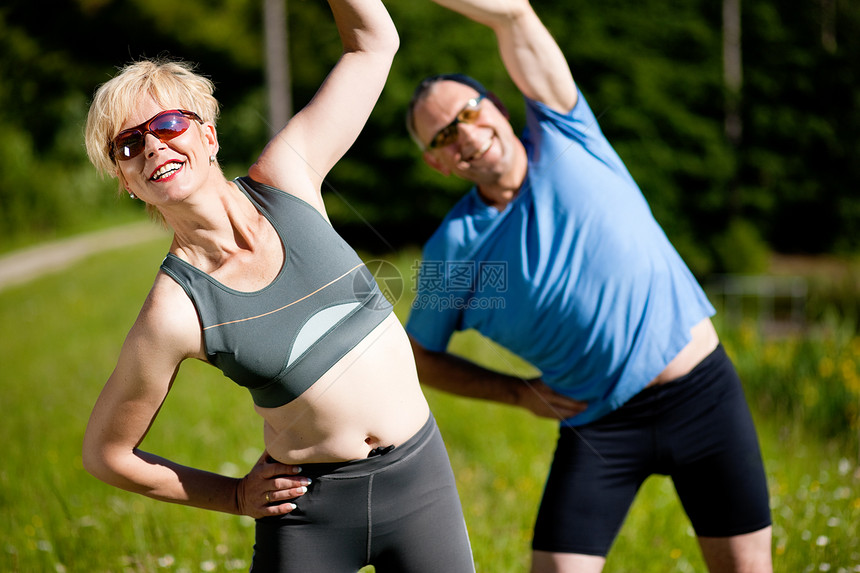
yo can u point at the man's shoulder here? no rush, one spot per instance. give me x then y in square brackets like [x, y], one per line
[580, 118]
[451, 226]
[446, 239]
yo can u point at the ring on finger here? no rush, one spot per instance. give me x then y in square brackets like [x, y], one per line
[268, 497]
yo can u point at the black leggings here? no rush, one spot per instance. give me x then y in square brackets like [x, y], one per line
[398, 511]
[696, 429]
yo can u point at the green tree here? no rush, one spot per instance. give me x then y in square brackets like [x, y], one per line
[651, 70]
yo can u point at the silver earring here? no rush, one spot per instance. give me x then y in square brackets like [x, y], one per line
[211, 159]
[132, 195]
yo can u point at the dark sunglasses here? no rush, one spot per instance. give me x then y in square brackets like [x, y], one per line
[448, 134]
[166, 125]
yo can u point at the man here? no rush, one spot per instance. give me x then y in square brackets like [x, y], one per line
[555, 255]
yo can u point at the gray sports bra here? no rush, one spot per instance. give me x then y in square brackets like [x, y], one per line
[279, 340]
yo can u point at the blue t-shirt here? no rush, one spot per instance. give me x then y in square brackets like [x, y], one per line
[575, 275]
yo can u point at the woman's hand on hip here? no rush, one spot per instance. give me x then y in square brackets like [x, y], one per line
[268, 488]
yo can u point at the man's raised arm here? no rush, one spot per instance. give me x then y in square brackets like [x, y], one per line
[531, 55]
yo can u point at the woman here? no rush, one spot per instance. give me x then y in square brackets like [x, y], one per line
[257, 283]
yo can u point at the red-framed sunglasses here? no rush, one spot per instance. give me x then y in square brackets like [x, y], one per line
[166, 125]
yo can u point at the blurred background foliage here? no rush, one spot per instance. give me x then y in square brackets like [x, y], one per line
[651, 70]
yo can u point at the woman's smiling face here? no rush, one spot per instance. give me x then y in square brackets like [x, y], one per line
[166, 170]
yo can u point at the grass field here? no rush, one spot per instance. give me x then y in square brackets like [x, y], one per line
[60, 338]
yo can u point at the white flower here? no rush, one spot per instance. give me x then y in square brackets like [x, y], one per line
[229, 469]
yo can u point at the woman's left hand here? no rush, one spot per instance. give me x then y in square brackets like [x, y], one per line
[267, 488]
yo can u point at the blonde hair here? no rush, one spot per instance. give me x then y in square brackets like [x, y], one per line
[171, 83]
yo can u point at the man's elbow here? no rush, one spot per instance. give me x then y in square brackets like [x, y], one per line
[421, 354]
[427, 363]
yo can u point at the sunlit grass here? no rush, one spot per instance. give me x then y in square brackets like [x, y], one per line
[61, 336]
[813, 482]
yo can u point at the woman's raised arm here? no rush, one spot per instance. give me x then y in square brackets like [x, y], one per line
[299, 157]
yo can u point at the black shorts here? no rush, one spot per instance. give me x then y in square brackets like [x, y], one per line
[398, 511]
[696, 429]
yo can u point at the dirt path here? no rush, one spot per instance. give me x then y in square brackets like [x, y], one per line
[24, 265]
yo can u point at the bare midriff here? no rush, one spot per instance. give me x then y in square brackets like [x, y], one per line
[369, 398]
[704, 341]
